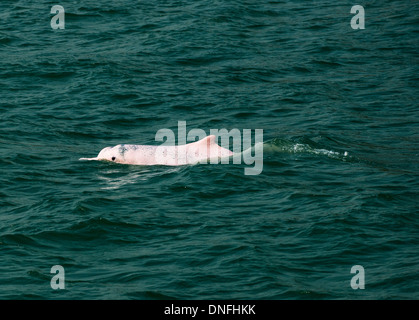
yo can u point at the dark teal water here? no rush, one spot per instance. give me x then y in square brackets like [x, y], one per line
[121, 70]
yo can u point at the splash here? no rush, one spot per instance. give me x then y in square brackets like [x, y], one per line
[303, 146]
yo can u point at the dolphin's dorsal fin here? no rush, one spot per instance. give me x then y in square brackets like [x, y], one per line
[207, 140]
[205, 144]
[201, 148]
[208, 148]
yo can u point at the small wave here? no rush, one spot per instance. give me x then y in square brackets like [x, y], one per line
[115, 182]
[306, 147]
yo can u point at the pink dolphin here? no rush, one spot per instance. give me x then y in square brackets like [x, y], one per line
[191, 153]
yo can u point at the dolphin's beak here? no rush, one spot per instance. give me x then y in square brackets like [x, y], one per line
[95, 158]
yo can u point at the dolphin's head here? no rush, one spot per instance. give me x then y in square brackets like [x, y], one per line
[113, 154]
[108, 153]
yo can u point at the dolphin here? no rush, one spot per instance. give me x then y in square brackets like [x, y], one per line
[196, 152]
